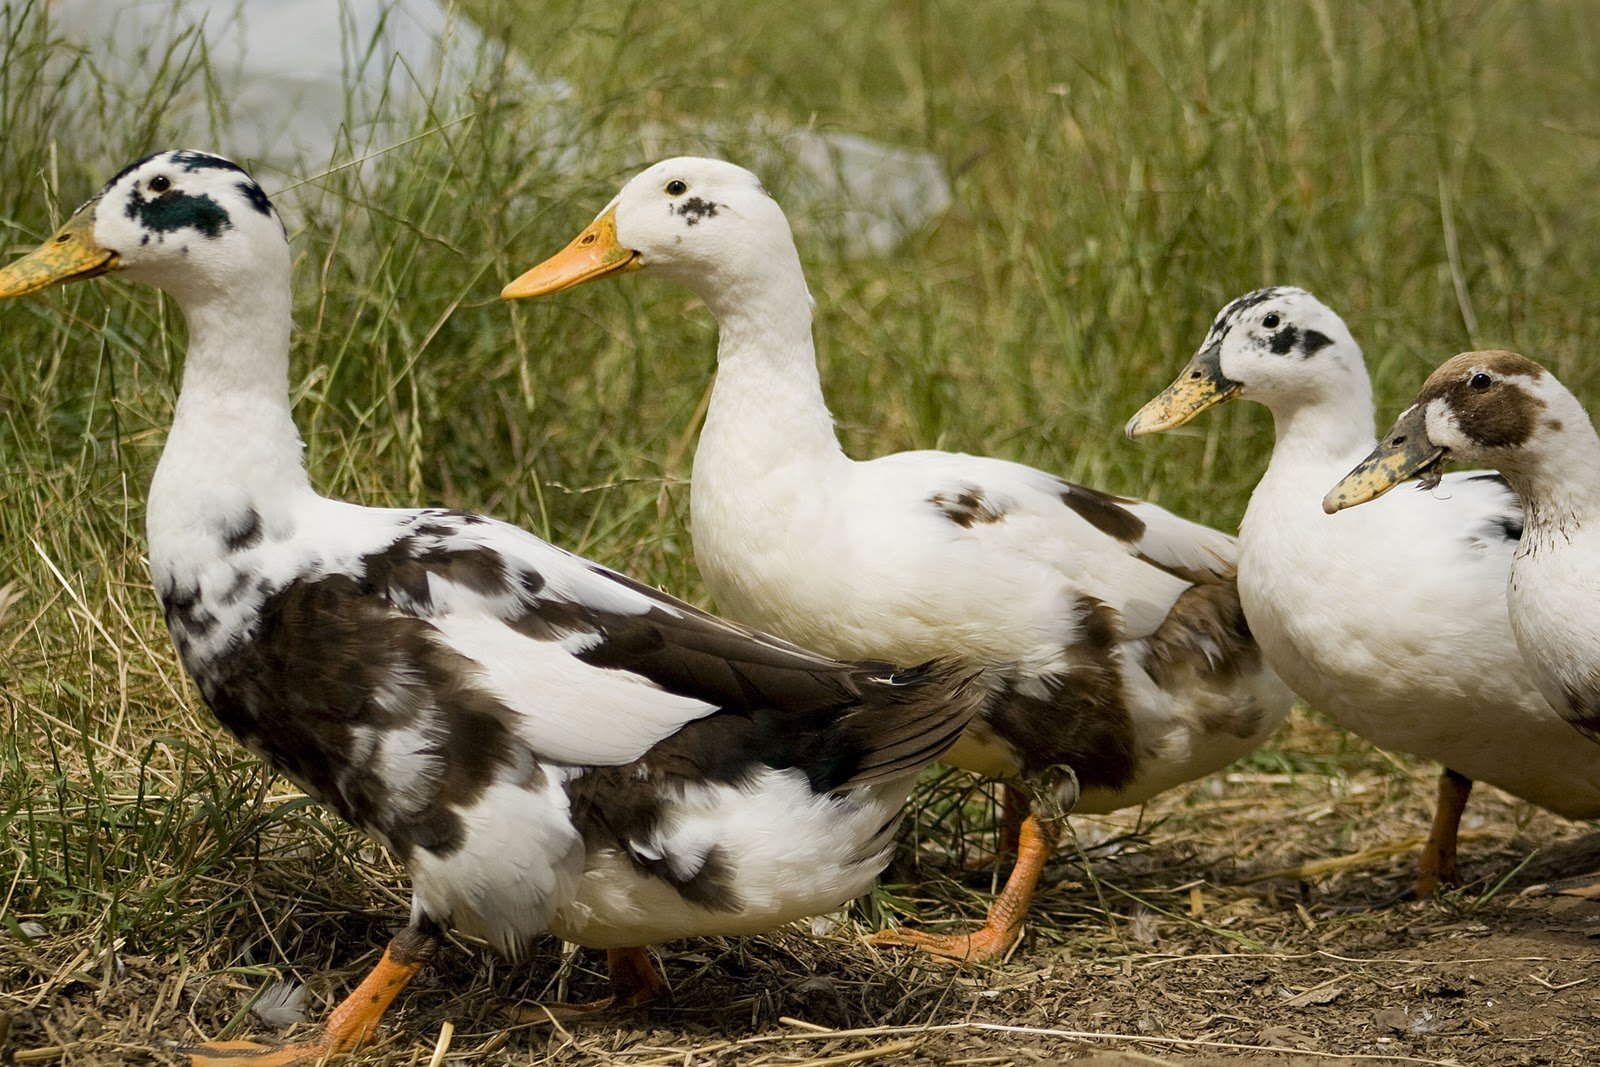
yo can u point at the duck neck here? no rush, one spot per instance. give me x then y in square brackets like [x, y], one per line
[1324, 429]
[1558, 476]
[232, 432]
[767, 409]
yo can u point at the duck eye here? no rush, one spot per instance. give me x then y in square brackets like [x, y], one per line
[1271, 321]
[677, 187]
[1481, 381]
[160, 183]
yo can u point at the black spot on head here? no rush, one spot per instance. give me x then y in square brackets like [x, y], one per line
[1281, 342]
[1234, 309]
[257, 199]
[967, 508]
[1104, 512]
[192, 161]
[175, 210]
[1313, 341]
[694, 209]
[124, 172]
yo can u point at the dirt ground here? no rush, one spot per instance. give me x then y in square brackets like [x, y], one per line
[1229, 924]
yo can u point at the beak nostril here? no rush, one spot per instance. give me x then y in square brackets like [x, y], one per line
[588, 239]
[1194, 376]
[1399, 440]
[62, 239]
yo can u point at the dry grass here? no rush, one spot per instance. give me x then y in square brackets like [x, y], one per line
[1155, 937]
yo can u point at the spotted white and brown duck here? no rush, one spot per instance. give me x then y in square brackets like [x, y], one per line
[1390, 618]
[545, 744]
[1505, 410]
[1109, 631]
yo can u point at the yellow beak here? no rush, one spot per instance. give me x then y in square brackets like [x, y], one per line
[1405, 452]
[69, 256]
[594, 253]
[1201, 385]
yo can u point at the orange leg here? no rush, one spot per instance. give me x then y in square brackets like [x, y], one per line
[634, 983]
[1014, 807]
[351, 1023]
[1439, 865]
[1035, 841]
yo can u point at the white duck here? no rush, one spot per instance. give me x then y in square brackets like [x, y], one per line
[1391, 618]
[544, 743]
[1109, 631]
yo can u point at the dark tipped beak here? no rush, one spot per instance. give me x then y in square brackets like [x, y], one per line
[1405, 452]
[70, 255]
[1201, 385]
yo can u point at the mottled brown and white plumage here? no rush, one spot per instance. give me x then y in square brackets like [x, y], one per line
[544, 743]
[1108, 630]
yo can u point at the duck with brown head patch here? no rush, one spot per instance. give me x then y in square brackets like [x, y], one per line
[1108, 630]
[545, 744]
[1390, 618]
[1507, 411]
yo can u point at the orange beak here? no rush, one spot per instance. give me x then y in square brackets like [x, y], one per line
[594, 253]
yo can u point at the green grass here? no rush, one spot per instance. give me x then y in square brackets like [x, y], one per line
[1121, 170]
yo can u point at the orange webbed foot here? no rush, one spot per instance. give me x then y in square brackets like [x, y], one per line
[350, 1024]
[993, 940]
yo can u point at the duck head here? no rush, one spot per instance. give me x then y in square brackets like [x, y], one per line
[1280, 346]
[705, 223]
[1478, 407]
[184, 221]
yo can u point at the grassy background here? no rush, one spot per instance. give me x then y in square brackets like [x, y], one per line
[1121, 170]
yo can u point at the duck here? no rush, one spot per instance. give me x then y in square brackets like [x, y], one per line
[1392, 618]
[1108, 631]
[1508, 412]
[545, 744]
